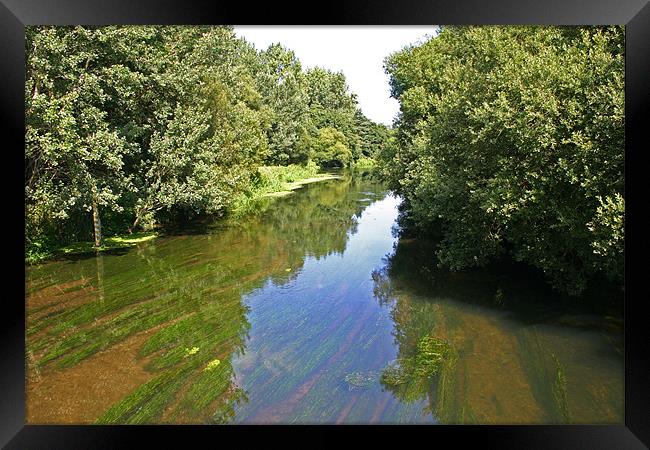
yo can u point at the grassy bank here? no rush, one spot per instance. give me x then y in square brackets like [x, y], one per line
[108, 243]
[278, 181]
[269, 181]
[365, 163]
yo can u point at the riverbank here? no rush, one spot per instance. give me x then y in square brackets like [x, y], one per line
[278, 181]
[270, 181]
[290, 187]
[108, 243]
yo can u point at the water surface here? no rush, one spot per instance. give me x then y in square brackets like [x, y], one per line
[299, 313]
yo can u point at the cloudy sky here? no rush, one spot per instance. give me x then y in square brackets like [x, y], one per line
[358, 51]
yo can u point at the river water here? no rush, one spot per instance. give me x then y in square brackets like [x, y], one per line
[312, 310]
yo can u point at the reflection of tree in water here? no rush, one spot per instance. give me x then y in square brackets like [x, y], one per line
[414, 374]
[431, 306]
[317, 222]
[185, 293]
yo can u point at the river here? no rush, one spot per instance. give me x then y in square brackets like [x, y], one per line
[311, 310]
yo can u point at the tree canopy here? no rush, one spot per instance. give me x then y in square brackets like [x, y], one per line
[510, 140]
[156, 123]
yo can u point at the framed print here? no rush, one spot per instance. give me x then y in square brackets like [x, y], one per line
[367, 219]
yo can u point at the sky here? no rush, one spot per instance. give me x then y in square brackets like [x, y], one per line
[357, 51]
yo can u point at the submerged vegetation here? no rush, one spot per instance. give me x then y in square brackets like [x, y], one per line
[182, 295]
[142, 126]
[510, 140]
[411, 376]
[318, 306]
[273, 317]
[484, 343]
[430, 354]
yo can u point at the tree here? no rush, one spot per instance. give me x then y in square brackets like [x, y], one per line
[283, 90]
[332, 106]
[76, 145]
[511, 140]
[330, 148]
[135, 126]
[213, 137]
[372, 136]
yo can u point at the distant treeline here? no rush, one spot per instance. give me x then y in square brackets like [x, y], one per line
[510, 141]
[148, 124]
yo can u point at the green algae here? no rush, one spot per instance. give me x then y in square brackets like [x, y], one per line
[187, 295]
[306, 360]
[427, 361]
[360, 379]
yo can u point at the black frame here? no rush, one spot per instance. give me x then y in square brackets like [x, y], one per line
[635, 14]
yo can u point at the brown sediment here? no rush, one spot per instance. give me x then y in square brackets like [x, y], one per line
[496, 387]
[55, 297]
[609, 410]
[592, 396]
[80, 394]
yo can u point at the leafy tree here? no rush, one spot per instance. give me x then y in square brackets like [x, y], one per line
[144, 125]
[330, 148]
[372, 136]
[213, 138]
[511, 139]
[283, 89]
[77, 140]
[332, 106]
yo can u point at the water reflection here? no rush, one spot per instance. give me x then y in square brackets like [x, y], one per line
[318, 344]
[311, 310]
[164, 312]
[519, 352]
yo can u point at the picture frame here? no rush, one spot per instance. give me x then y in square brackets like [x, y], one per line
[635, 14]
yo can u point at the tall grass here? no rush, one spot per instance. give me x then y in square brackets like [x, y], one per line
[269, 179]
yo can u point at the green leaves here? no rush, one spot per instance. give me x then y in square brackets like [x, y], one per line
[508, 137]
[167, 122]
[330, 148]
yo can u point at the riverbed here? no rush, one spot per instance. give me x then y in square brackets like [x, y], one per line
[311, 309]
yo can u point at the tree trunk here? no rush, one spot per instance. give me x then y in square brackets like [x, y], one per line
[135, 224]
[97, 223]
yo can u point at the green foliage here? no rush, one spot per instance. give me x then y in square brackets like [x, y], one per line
[332, 107]
[365, 163]
[430, 353]
[511, 140]
[330, 148]
[269, 180]
[372, 136]
[161, 123]
[410, 376]
[283, 89]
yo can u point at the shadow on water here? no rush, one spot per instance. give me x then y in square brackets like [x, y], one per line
[73, 257]
[504, 285]
[519, 352]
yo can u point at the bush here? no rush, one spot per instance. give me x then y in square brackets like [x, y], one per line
[511, 139]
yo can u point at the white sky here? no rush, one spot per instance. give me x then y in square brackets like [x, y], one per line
[357, 51]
